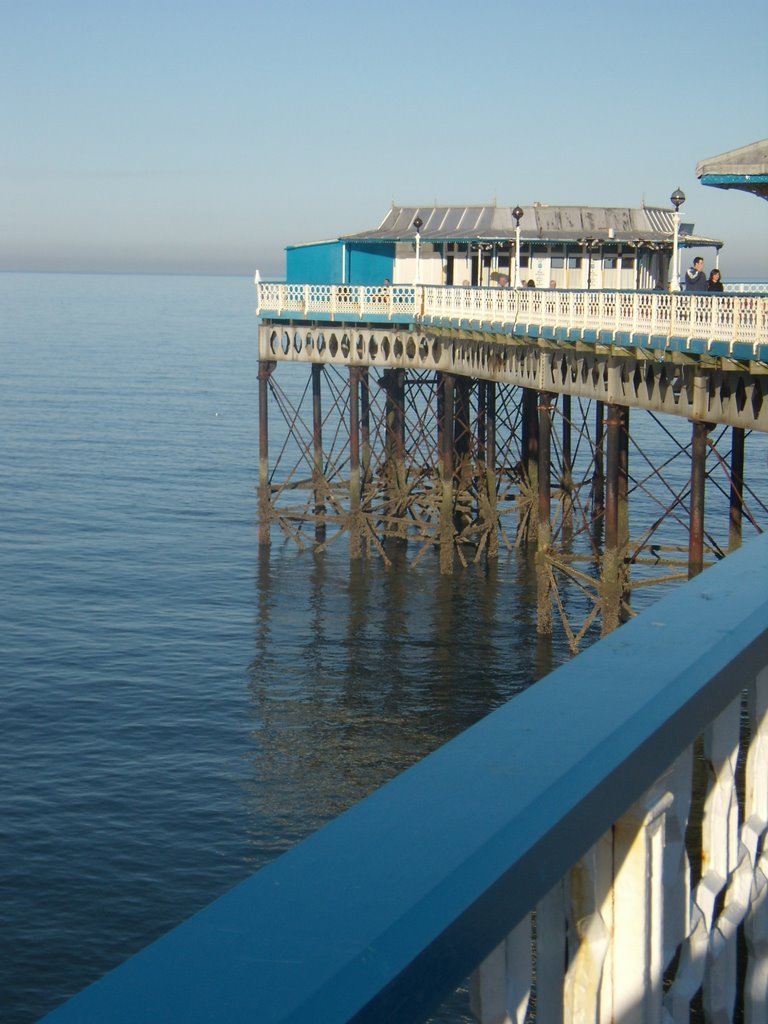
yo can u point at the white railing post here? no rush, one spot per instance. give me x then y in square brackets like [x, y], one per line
[590, 889]
[551, 920]
[718, 856]
[631, 990]
[753, 836]
[500, 989]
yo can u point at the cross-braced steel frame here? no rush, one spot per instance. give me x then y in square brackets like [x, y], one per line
[466, 466]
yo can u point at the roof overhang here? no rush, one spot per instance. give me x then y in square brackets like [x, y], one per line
[745, 169]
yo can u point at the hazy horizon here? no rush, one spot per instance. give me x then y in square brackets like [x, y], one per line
[186, 138]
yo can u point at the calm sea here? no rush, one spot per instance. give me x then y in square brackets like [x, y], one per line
[177, 707]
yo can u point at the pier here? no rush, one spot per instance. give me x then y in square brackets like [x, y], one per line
[594, 850]
[470, 419]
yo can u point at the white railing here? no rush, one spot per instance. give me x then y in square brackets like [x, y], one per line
[715, 318]
[336, 301]
[749, 287]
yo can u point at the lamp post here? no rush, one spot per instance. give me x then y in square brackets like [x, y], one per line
[677, 199]
[517, 213]
[417, 224]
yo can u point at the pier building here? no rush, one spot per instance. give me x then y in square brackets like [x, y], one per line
[579, 247]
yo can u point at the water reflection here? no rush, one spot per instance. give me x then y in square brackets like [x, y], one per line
[362, 670]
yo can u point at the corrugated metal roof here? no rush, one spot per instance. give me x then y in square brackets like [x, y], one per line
[539, 222]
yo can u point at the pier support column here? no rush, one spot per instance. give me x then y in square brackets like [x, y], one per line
[355, 489]
[365, 427]
[491, 513]
[623, 482]
[544, 528]
[598, 475]
[480, 457]
[566, 480]
[318, 470]
[482, 403]
[530, 438]
[265, 489]
[446, 475]
[613, 555]
[462, 448]
[393, 382]
[440, 406]
[529, 464]
[698, 478]
[736, 503]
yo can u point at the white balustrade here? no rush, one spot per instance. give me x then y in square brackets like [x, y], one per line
[734, 319]
[626, 937]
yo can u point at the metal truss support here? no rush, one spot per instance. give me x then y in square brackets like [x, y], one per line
[736, 503]
[725, 389]
[455, 464]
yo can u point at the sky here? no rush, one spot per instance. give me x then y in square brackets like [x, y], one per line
[204, 137]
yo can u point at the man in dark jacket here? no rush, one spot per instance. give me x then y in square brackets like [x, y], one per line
[695, 278]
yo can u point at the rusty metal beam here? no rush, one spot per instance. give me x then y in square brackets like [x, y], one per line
[700, 431]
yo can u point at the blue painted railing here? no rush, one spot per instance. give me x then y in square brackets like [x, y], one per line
[385, 911]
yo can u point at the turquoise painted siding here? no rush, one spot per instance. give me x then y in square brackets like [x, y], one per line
[370, 264]
[324, 263]
[315, 264]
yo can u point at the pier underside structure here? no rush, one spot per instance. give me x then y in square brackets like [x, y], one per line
[618, 467]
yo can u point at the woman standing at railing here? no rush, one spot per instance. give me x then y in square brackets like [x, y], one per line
[714, 284]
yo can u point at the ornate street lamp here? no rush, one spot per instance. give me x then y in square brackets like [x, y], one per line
[517, 213]
[677, 199]
[418, 225]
